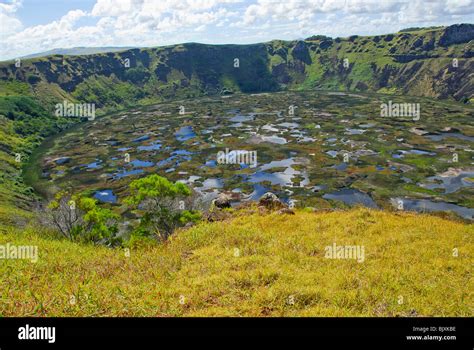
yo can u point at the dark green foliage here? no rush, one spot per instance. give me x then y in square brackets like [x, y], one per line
[29, 117]
[137, 75]
[24, 124]
[33, 79]
[108, 91]
[262, 81]
[318, 37]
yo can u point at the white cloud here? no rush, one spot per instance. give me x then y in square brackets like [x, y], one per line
[9, 24]
[10, 7]
[68, 20]
[113, 7]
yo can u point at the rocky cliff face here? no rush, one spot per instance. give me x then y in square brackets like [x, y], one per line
[435, 62]
[457, 34]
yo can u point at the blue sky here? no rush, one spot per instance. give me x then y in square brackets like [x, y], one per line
[29, 26]
[35, 12]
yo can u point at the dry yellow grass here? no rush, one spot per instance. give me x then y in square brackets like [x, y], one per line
[254, 265]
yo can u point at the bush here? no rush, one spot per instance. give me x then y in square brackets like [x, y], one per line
[81, 219]
[161, 205]
[33, 79]
[137, 75]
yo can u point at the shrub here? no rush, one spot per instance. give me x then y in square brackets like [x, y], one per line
[137, 75]
[33, 79]
[161, 205]
[81, 219]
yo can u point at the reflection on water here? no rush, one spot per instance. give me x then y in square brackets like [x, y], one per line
[401, 153]
[285, 178]
[212, 184]
[424, 205]
[275, 139]
[445, 135]
[354, 131]
[269, 127]
[242, 118]
[258, 191]
[211, 163]
[141, 163]
[105, 196]
[185, 133]
[366, 126]
[289, 125]
[281, 179]
[141, 138]
[450, 184]
[351, 197]
[125, 173]
[340, 167]
[94, 165]
[303, 139]
[278, 163]
[152, 147]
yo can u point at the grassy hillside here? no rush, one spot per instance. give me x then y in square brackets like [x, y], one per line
[416, 62]
[24, 123]
[254, 265]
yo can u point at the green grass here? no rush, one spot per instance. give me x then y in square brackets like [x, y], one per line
[14, 88]
[11, 187]
[410, 188]
[253, 265]
[23, 125]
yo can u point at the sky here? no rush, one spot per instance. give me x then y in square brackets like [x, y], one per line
[31, 26]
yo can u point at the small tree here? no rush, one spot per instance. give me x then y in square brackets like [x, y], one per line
[100, 225]
[162, 205]
[63, 214]
[81, 219]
